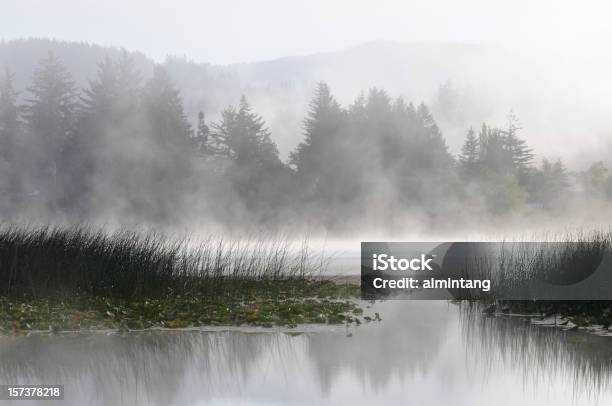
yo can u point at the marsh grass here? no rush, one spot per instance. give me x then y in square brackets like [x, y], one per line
[67, 278]
[560, 260]
[53, 261]
[517, 269]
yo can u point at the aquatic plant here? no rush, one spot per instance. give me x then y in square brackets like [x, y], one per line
[67, 278]
[53, 261]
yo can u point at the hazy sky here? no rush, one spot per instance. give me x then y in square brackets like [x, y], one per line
[243, 30]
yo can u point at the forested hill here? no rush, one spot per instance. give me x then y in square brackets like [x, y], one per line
[415, 68]
[22, 56]
[464, 85]
[442, 75]
[377, 63]
[121, 147]
[202, 86]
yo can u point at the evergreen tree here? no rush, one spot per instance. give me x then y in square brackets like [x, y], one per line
[469, 156]
[10, 128]
[51, 114]
[596, 177]
[202, 136]
[165, 113]
[256, 173]
[358, 107]
[243, 136]
[434, 145]
[9, 117]
[520, 153]
[503, 167]
[323, 120]
[426, 118]
[100, 98]
[483, 136]
[554, 182]
[52, 106]
[165, 154]
[423, 167]
[495, 158]
[112, 100]
[113, 127]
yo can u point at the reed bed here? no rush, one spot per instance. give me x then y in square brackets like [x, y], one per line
[53, 261]
[81, 278]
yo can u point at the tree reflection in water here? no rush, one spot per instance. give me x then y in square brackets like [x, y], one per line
[444, 350]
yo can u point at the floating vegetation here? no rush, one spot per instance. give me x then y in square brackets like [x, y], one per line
[64, 279]
[176, 311]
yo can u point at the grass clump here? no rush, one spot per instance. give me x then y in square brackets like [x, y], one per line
[55, 278]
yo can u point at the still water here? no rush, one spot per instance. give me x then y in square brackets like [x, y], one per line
[421, 353]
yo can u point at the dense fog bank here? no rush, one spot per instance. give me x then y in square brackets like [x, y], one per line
[117, 144]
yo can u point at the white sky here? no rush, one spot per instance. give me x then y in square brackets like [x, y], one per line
[242, 30]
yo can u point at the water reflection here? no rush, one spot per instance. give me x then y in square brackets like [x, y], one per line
[545, 355]
[421, 353]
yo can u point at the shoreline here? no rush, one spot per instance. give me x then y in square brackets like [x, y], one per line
[291, 304]
[594, 318]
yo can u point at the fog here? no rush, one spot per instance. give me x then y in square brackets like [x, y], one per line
[353, 125]
[242, 31]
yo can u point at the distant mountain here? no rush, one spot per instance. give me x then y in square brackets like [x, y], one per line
[22, 56]
[558, 98]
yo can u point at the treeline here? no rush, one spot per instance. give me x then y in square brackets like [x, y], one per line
[500, 166]
[123, 150]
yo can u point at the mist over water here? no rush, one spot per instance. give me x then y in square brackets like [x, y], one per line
[423, 352]
[188, 163]
[133, 152]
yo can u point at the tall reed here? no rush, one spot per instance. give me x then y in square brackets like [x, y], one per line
[54, 261]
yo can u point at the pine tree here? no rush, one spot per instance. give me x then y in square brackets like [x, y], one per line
[243, 136]
[379, 110]
[165, 114]
[357, 108]
[10, 128]
[219, 137]
[597, 175]
[166, 152]
[324, 118]
[51, 109]
[556, 175]
[520, 153]
[129, 83]
[426, 118]
[51, 114]
[113, 126]
[114, 96]
[9, 117]
[256, 127]
[469, 156]
[99, 98]
[244, 148]
[483, 138]
[495, 156]
[548, 183]
[202, 136]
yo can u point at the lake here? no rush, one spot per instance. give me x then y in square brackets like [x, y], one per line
[421, 353]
